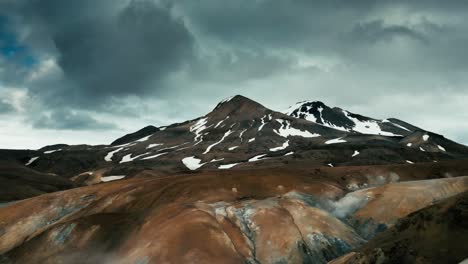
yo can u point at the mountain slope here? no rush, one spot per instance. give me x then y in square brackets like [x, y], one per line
[19, 182]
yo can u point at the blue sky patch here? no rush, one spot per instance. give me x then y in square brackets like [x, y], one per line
[11, 49]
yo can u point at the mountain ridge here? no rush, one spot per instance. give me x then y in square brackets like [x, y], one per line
[240, 133]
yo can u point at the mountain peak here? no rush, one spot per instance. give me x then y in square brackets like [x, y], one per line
[238, 103]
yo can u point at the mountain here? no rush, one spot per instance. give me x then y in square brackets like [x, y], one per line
[340, 119]
[241, 184]
[239, 134]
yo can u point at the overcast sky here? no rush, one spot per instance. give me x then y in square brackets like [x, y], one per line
[90, 71]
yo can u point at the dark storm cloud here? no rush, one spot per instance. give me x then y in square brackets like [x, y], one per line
[69, 120]
[107, 48]
[178, 51]
[140, 45]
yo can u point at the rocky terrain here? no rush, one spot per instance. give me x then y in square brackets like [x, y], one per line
[242, 184]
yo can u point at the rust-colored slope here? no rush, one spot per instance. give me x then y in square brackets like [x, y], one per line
[435, 234]
[234, 217]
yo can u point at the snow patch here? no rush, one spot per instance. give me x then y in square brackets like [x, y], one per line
[233, 148]
[197, 128]
[355, 153]
[425, 137]
[257, 158]
[112, 178]
[264, 120]
[51, 151]
[143, 139]
[441, 148]
[109, 155]
[335, 141]
[284, 146]
[420, 148]
[367, 127]
[129, 158]
[31, 161]
[286, 130]
[409, 161]
[154, 145]
[289, 153]
[252, 140]
[330, 165]
[192, 163]
[227, 166]
[409, 144]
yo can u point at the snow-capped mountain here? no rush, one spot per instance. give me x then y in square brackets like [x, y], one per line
[340, 119]
[240, 133]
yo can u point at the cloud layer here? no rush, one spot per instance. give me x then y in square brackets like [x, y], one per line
[108, 65]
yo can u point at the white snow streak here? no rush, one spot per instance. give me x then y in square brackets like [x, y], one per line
[143, 139]
[51, 151]
[31, 161]
[154, 145]
[173, 147]
[233, 148]
[227, 166]
[258, 157]
[441, 148]
[355, 153]
[409, 161]
[220, 122]
[425, 137]
[197, 128]
[112, 178]
[216, 143]
[335, 141]
[399, 126]
[264, 120]
[241, 133]
[154, 156]
[284, 146]
[109, 155]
